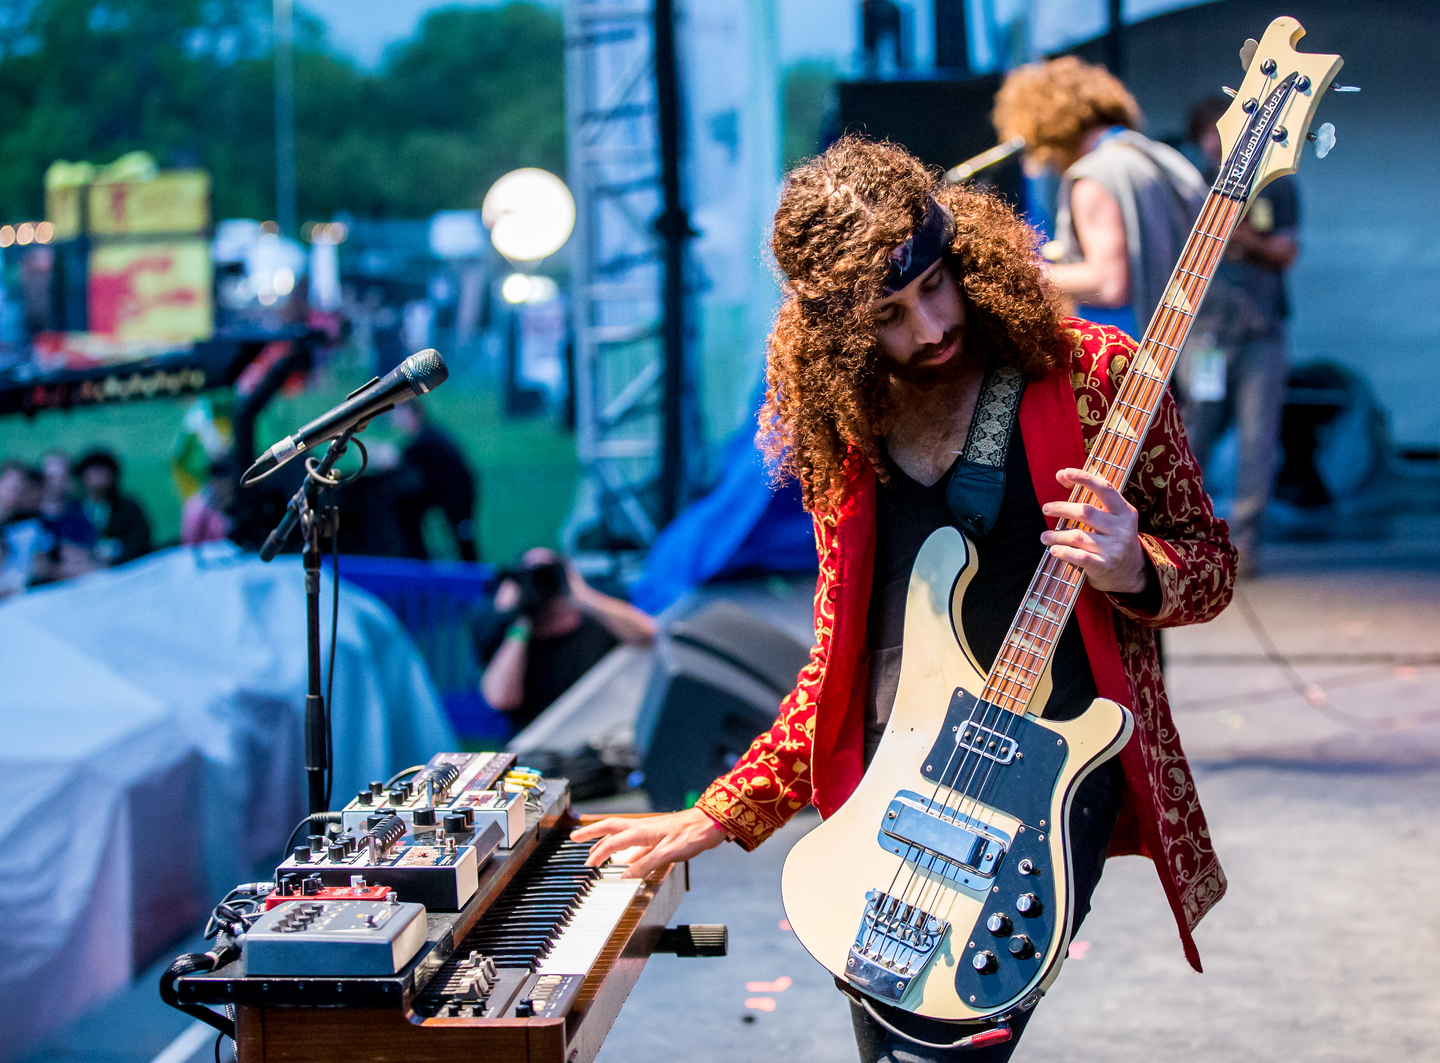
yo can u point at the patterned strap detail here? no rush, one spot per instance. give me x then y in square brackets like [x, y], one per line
[988, 441]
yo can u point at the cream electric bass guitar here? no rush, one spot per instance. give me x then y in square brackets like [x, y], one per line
[943, 885]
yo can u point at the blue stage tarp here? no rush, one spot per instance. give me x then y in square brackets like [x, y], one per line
[153, 755]
[745, 526]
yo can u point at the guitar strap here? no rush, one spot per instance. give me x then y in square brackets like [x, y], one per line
[977, 486]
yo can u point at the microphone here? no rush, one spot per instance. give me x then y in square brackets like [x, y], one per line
[416, 375]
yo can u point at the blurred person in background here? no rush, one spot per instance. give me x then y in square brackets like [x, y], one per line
[1126, 203]
[35, 552]
[208, 514]
[22, 536]
[1233, 368]
[119, 520]
[60, 506]
[71, 550]
[555, 628]
[435, 476]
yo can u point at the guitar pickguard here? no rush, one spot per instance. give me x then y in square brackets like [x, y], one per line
[997, 757]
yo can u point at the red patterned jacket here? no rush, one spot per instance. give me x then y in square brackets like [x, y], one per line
[814, 751]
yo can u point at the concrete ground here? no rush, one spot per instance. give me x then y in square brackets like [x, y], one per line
[1311, 710]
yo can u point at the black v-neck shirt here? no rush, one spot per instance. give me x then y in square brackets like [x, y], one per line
[906, 513]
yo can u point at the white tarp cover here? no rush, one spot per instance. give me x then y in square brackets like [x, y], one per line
[152, 754]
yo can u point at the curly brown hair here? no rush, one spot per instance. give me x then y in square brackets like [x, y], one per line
[840, 216]
[1054, 104]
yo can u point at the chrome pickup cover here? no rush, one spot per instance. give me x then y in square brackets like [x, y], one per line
[893, 945]
[940, 839]
[986, 742]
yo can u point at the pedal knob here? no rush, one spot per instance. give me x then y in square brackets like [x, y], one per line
[424, 817]
[998, 924]
[1021, 947]
[364, 797]
[455, 824]
[1028, 905]
[984, 961]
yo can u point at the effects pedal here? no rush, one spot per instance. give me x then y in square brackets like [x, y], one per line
[444, 779]
[432, 867]
[293, 887]
[493, 806]
[334, 938]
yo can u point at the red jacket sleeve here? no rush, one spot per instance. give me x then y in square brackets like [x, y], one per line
[1188, 545]
[773, 780]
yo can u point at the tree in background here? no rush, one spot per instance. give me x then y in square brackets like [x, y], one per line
[475, 92]
[809, 104]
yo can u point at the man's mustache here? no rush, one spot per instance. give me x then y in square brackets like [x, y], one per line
[916, 370]
[930, 350]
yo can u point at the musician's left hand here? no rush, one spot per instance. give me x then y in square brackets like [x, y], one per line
[664, 839]
[1107, 549]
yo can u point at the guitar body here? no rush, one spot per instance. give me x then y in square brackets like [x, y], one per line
[926, 964]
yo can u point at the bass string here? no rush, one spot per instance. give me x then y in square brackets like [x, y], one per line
[1197, 260]
[929, 805]
[1172, 323]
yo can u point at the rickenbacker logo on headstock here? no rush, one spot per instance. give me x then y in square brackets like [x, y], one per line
[1238, 174]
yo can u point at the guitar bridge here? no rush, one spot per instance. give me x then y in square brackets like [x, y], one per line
[895, 942]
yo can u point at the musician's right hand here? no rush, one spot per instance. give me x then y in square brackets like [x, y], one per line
[661, 840]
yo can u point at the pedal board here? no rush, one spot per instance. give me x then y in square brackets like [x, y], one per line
[450, 783]
[312, 938]
[427, 868]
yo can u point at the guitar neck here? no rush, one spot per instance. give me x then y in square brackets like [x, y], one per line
[1035, 631]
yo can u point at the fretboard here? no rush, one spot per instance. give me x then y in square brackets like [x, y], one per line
[1033, 634]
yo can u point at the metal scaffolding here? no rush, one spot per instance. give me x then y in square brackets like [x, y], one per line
[619, 155]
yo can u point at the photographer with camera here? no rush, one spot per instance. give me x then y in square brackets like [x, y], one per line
[558, 627]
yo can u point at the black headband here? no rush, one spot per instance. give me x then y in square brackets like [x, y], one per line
[926, 244]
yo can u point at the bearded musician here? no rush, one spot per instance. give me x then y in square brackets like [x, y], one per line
[917, 338]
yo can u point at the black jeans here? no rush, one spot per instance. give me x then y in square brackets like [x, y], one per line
[1092, 820]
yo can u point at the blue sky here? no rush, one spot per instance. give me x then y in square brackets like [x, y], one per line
[362, 28]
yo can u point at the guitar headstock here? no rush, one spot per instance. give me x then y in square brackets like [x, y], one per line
[1265, 128]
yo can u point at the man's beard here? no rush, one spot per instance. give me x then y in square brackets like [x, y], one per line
[926, 376]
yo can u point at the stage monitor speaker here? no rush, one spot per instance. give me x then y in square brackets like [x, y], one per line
[942, 121]
[719, 677]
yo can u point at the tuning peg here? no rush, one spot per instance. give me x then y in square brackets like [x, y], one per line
[1323, 139]
[1345, 88]
[1228, 91]
[1247, 53]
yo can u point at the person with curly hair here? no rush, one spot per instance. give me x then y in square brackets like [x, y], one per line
[920, 376]
[1126, 202]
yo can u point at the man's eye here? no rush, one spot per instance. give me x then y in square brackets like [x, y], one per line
[932, 282]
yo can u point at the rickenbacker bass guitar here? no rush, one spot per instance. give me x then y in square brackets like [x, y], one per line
[943, 885]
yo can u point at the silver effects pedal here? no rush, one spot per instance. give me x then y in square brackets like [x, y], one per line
[335, 938]
[431, 867]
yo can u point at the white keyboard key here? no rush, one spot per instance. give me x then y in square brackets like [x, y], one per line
[579, 944]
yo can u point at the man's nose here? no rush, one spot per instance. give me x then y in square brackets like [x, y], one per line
[929, 327]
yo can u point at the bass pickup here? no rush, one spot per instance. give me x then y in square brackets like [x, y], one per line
[942, 840]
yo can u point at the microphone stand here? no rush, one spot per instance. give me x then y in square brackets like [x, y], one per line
[314, 521]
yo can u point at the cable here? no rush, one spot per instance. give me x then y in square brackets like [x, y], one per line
[315, 817]
[1313, 694]
[334, 628]
[401, 774]
[199, 963]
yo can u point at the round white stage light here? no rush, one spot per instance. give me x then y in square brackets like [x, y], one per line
[530, 214]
